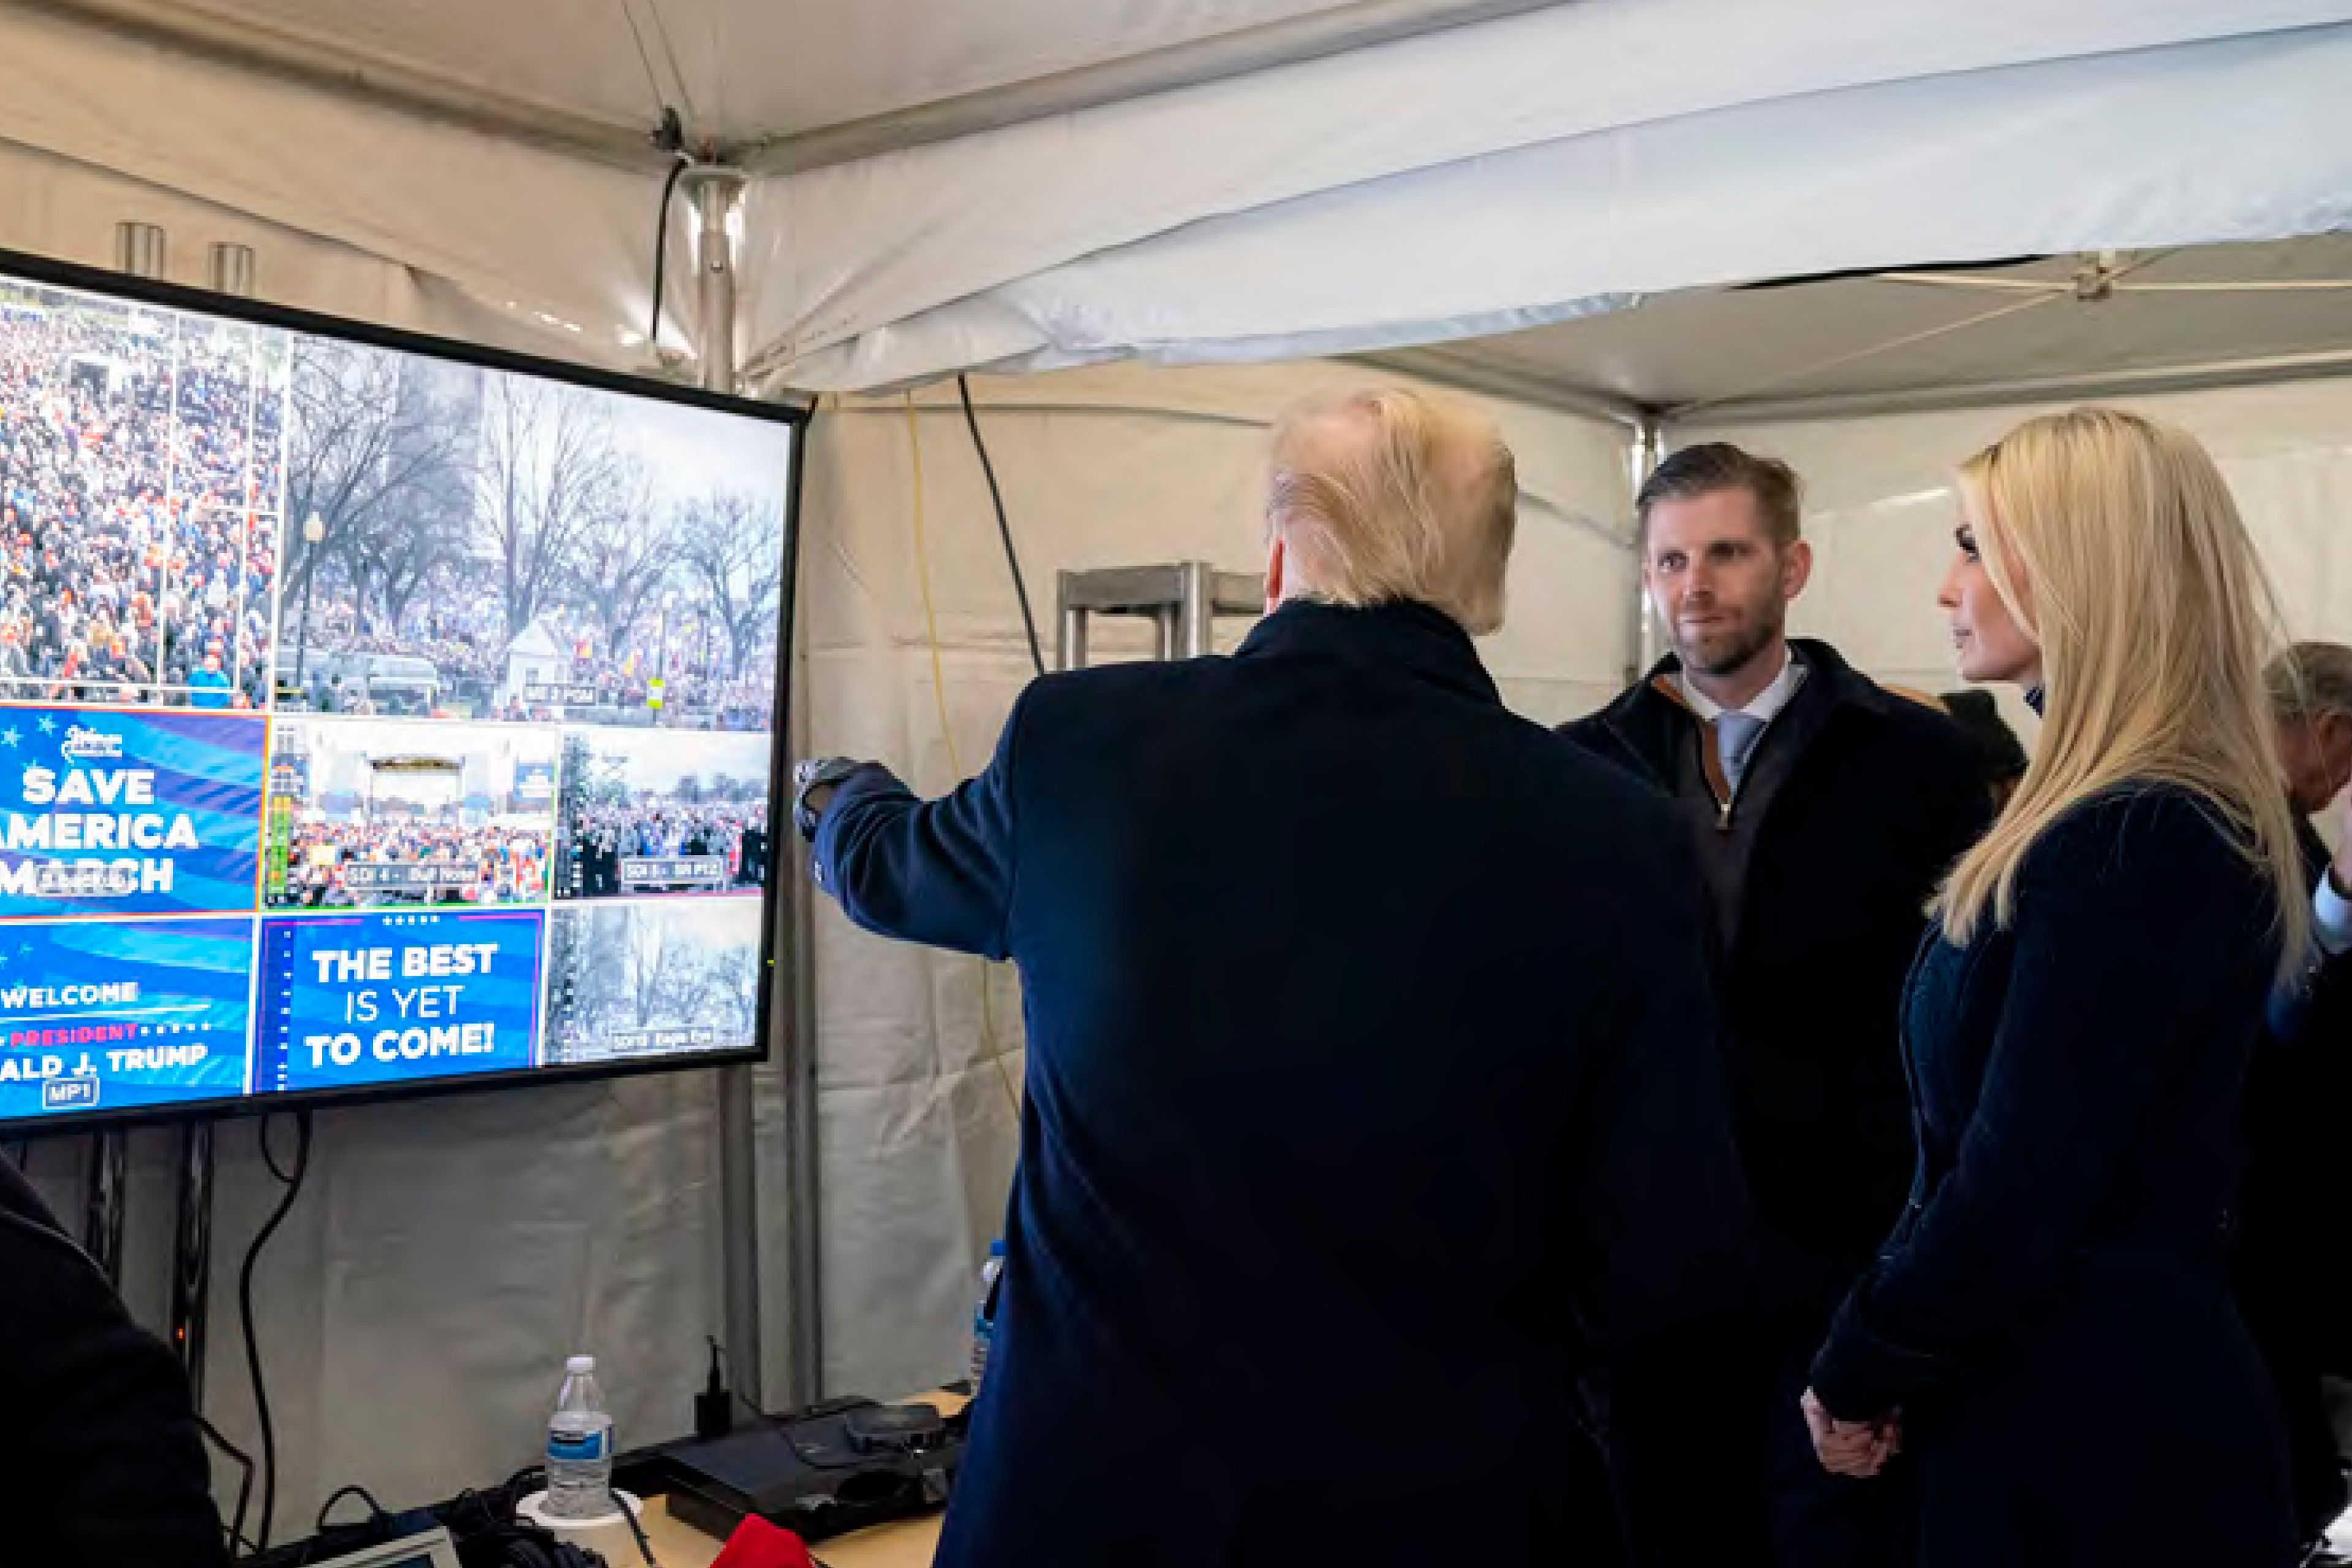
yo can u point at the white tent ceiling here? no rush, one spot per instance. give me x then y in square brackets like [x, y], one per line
[596, 74]
[2040, 328]
[1041, 182]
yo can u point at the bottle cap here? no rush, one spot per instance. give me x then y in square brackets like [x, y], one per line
[580, 1366]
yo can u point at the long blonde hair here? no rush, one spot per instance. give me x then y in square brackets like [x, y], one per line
[2154, 618]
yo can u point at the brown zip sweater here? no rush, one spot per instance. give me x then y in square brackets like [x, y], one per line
[1722, 825]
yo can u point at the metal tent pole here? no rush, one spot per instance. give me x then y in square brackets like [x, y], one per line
[1648, 451]
[716, 193]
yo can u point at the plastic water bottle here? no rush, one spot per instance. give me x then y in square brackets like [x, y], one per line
[983, 1316]
[580, 1447]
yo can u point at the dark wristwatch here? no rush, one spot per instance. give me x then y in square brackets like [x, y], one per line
[808, 777]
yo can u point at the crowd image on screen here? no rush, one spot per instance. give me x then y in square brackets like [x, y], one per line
[504, 865]
[465, 640]
[140, 474]
[601, 838]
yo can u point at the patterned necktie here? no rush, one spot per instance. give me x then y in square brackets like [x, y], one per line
[1735, 738]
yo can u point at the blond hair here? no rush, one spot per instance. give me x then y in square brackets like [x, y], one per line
[1390, 494]
[2153, 615]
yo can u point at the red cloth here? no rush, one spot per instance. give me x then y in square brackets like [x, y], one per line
[756, 1544]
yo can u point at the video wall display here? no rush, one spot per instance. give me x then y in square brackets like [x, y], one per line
[368, 717]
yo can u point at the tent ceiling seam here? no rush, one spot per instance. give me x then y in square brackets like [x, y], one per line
[2145, 382]
[1365, 24]
[291, 57]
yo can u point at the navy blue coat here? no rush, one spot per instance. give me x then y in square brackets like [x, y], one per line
[2052, 1313]
[1881, 800]
[1372, 1107]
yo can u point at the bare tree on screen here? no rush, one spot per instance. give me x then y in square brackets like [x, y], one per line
[395, 564]
[377, 446]
[625, 555]
[658, 968]
[731, 548]
[549, 477]
[733, 984]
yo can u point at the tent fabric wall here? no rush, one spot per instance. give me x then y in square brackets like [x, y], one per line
[1880, 510]
[520, 243]
[1120, 467]
[54, 207]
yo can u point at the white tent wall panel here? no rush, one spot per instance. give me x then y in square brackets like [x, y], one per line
[516, 240]
[1880, 510]
[1106, 467]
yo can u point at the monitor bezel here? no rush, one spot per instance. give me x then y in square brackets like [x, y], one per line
[784, 861]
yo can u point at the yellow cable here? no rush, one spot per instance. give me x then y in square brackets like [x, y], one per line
[946, 733]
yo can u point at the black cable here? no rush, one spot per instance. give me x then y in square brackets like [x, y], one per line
[237, 1540]
[1004, 528]
[661, 249]
[375, 1509]
[783, 1426]
[645, 1547]
[293, 1184]
[269, 1156]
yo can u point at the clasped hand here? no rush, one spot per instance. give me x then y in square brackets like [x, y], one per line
[1856, 1448]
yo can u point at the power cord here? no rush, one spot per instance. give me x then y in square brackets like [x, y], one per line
[670, 137]
[780, 1424]
[939, 699]
[292, 1182]
[1004, 528]
[376, 1510]
[237, 1543]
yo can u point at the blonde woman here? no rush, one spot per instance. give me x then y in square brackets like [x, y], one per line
[2050, 1330]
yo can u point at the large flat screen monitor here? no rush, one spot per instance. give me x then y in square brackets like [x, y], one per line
[375, 712]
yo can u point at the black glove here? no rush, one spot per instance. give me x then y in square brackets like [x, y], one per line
[811, 775]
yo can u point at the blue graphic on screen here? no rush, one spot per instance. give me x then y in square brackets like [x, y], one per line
[383, 999]
[104, 812]
[98, 1015]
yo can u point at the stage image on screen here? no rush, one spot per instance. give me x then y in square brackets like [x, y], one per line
[647, 812]
[369, 714]
[652, 977]
[368, 813]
